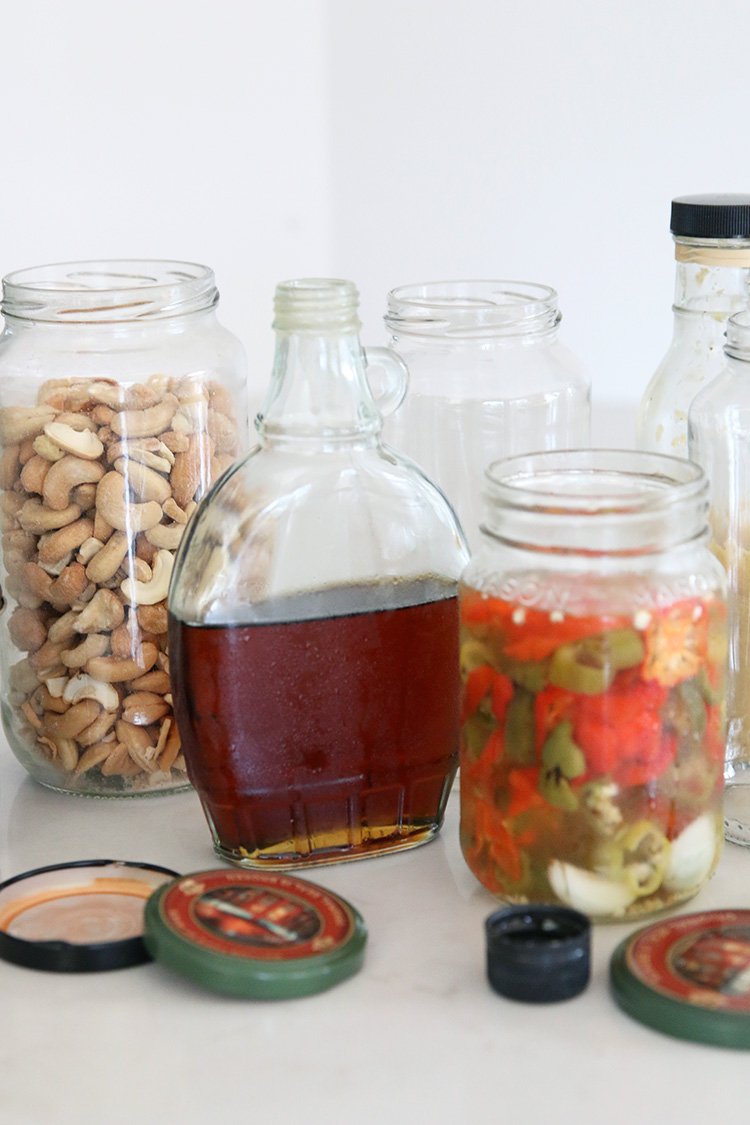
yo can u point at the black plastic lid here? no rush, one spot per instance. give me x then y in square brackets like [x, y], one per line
[539, 954]
[78, 917]
[711, 216]
[689, 977]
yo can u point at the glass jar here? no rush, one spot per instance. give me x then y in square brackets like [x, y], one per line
[719, 435]
[488, 378]
[314, 615]
[593, 640]
[712, 278]
[121, 399]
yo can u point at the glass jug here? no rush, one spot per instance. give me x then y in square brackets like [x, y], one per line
[488, 378]
[314, 615]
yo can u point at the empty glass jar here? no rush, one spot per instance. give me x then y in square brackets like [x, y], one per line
[121, 399]
[488, 378]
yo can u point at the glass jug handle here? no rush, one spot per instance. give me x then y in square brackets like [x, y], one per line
[388, 389]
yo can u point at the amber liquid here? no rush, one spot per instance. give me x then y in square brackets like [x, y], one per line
[328, 730]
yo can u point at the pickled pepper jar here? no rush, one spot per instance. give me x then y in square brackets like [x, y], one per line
[593, 627]
[712, 281]
[121, 399]
[489, 377]
[314, 615]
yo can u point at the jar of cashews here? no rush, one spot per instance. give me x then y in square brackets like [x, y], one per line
[122, 399]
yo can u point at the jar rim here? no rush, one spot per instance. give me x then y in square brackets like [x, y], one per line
[600, 481]
[473, 308]
[114, 289]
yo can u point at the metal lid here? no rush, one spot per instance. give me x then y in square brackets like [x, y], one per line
[713, 215]
[260, 934]
[538, 954]
[78, 917]
[689, 977]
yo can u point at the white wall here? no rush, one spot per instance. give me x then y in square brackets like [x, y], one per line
[388, 141]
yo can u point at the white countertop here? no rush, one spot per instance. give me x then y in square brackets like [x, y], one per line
[417, 1034]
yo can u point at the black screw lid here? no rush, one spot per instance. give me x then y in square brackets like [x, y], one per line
[538, 953]
[711, 216]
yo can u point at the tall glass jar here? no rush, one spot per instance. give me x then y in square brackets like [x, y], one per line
[314, 615]
[712, 280]
[121, 399]
[592, 652]
[488, 378]
[719, 434]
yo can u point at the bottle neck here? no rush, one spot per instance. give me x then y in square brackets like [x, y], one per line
[319, 391]
[712, 276]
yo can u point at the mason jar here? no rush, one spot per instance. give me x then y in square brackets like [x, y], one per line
[121, 399]
[593, 644]
[489, 377]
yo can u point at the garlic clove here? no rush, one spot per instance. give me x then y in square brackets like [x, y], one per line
[692, 855]
[588, 892]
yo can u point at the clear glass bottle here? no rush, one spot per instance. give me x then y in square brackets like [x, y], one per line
[712, 250]
[488, 377]
[593, 644]
[314, 615]
[121, 399]
[719, 434]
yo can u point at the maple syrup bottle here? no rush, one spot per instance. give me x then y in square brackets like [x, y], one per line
[314, 616]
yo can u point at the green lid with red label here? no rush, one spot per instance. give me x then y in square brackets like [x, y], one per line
[260, 934]
[689, 977]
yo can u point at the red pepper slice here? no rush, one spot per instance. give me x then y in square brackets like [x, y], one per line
[621, 732]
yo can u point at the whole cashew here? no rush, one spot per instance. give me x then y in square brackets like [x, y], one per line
[146, 423]
[64, 475]
[114, 671]
[119, 511]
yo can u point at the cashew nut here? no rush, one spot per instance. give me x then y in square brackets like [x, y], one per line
[119, 511]
[99, 729]
[34, 473]
[85, 687]
[75, 719]
[54, 545]
[20, 422]
[95, 644]
[47, 448]
[114, 671]
[103, 613]
[167, 536]
[64, 475]
[81, 443]
[27, 629]
[37, 518]
[155, 590]
[142, 708]
[146, 483]
[106, 562]
[146, 423]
